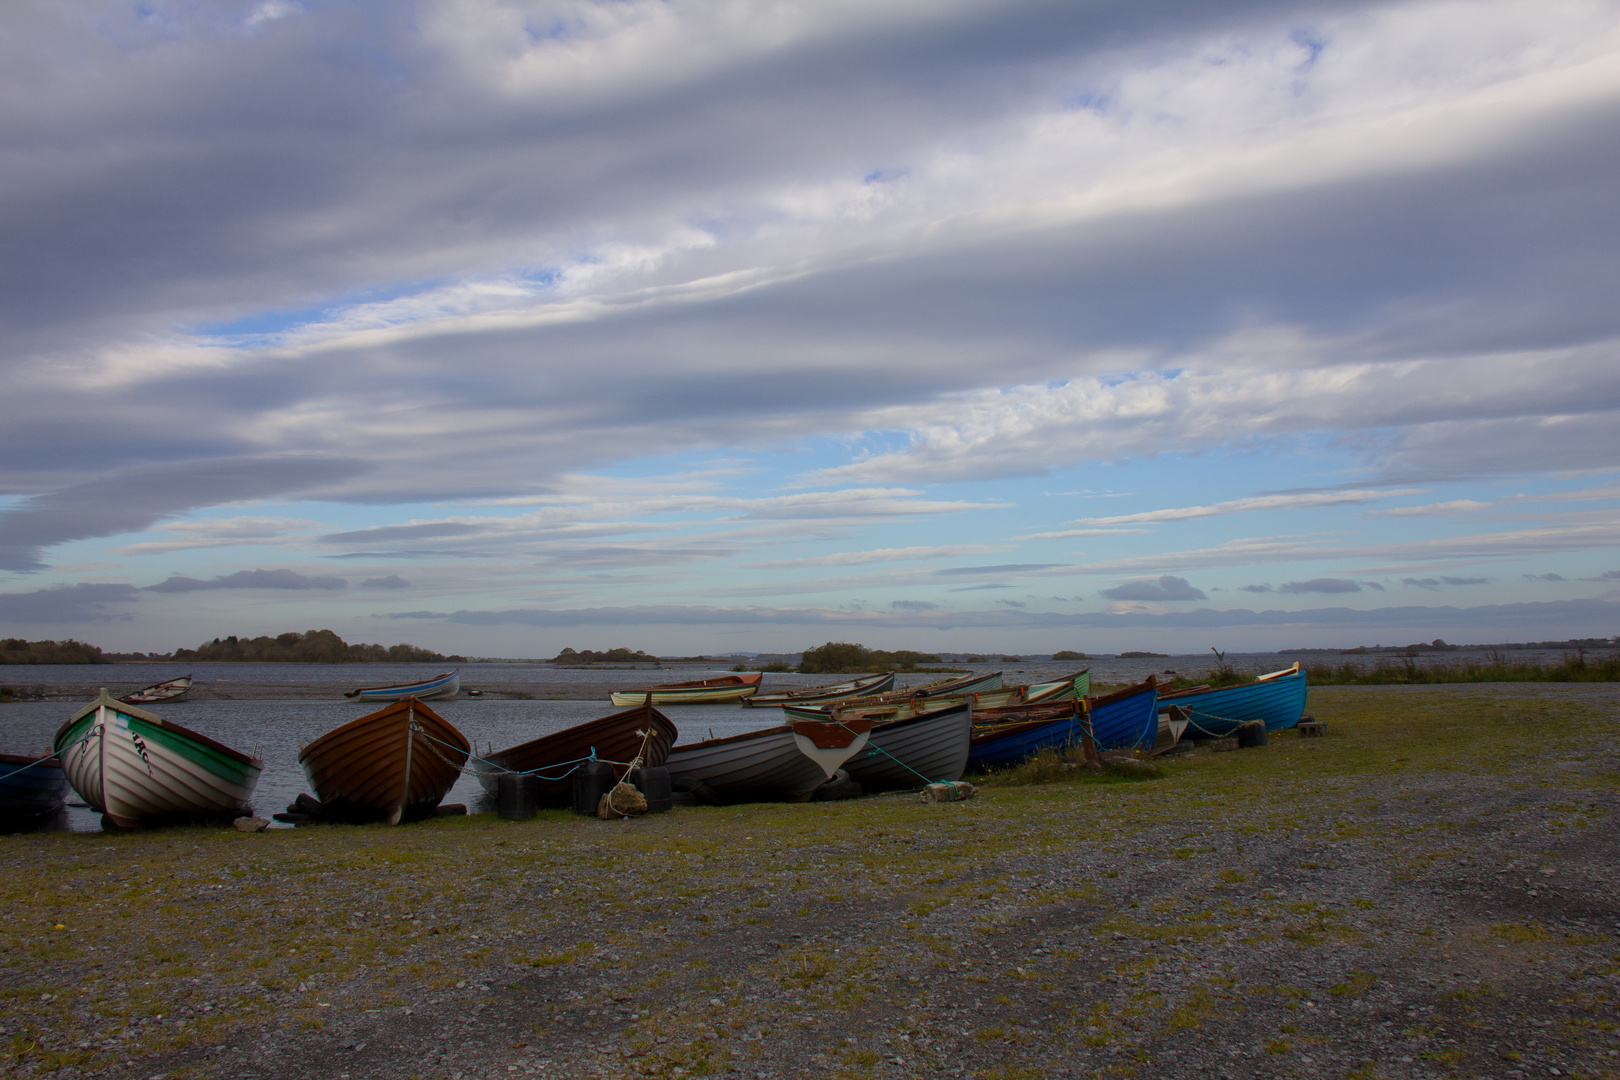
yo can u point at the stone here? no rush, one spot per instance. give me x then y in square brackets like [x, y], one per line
[939, 793]
[1251, 733]
[251, 824]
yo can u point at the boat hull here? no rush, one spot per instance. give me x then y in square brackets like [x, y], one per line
[1127, 719]
[1075, 686]
[699, 692]
[138, 769]
[437, 688]
[1022, 733]
[926, 748]
[396, 764]
[157, 693]
[618, 738]
[825, 695]
[30, 788]
[785, 763]
[1279, 701]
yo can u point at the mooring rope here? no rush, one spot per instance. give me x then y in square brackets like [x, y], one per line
[54, 753]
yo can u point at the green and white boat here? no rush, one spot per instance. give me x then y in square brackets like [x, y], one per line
[139, 769]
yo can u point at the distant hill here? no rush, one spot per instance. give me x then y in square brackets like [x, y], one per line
[310, 647]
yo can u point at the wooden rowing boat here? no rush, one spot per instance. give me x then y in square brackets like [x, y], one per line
[1067, 688]
[825, 695]
[1172, 725]
[393, 765]
[785, 763]
[928, 747]
[139, 769]
[982, 691]
[440, 686]
[157, 693]
[1012, 735]
[696, 692]
[1278, 698]
[30, 788]
[619, 738]
[1126, 719]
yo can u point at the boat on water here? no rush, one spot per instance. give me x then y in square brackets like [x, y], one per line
[924, 748]
[1014, 734]
[696, 692]
[31, 788]
[864, 686]
[157, 693]
[139, 769]
[1067, 688]
[447, 685]
[620, 738]
[396, 764]
[785, 763]
[1278, 698]
[1127, 719]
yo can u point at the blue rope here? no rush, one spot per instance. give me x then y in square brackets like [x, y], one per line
[48, 756]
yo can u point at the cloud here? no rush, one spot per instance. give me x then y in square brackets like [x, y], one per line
[859, 558]
[392, 581]
[1544, 577]
[252, 579]
[913, 605]
[219, 532]
[1167, 588]
[1320, 585]
[1440, 509]
[1245, 506]
[1256, 588]
[1435, 583]
[1607, 575]
[68, 604]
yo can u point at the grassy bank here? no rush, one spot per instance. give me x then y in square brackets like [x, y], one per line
[1056, 922]
[1405, 670]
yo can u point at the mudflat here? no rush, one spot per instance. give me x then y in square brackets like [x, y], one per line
[1430, 889]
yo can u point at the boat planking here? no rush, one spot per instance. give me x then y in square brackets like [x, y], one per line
[1277, 698]
[924, 748]
[784, 763]
[137, 769]
[1127, 719]
[396, 764]
[865, 686]
[31, 787]
[1014, 734]
[696, 692]
[168, 690]
[618, 738]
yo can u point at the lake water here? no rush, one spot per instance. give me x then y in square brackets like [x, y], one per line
[274, 729]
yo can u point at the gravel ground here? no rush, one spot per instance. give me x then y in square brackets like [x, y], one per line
[1428, 891]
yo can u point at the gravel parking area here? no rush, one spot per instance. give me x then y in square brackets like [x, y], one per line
[1427, 891]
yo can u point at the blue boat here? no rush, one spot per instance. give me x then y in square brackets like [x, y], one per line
[30, 788]
[1277, 698]
[1127, 719]
[1017, 733]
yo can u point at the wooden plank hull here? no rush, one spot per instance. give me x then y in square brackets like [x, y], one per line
[1074, 686]
[157, 693]
[617, 738]
[825, 695]
[1277, 699]
[138, 769]
[447, 685]
[1017, 734]
[932, 744]
[780, 764]
[698, 692]
[393, 765]
[30, 788]
[1126, 719]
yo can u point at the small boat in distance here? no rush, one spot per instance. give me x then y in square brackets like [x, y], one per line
[824, 695]
[440, 686]
[617, 738]
[696, 692]
[785, 763]
[396, 764]
[1278, 698]
[30, 788]
[139, 769]
[157, 693]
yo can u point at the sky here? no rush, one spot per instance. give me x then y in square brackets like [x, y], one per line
[744, 325]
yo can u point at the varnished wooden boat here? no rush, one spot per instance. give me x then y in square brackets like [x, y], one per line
[824, 695]
[139, 769]
[30, 788]
[1277, 698]
[928, 747]
[1064, 689]
[393, 765]
[440, 686]
[697, 692]
[785, 763]
[1172, 725]
[157, 693]
[982, 691]
[620, 738]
